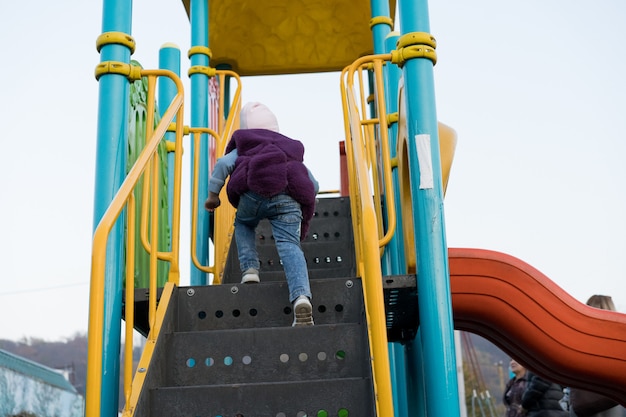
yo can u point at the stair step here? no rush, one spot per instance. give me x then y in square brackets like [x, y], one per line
[288, 399]
[328, 247]
[237, 306]
[268, 355]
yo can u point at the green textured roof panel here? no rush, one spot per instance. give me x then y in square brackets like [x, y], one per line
[34, 370]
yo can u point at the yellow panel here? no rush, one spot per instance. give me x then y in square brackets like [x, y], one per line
[256, 37]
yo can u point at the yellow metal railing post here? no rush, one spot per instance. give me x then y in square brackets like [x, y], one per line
[124, 199]
[367, 216]
[386, 154]
[130, 299]
[225, 214]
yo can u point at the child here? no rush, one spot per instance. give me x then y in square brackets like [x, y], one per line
[268, 180]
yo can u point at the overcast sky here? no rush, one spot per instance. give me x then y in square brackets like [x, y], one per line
[536, 91]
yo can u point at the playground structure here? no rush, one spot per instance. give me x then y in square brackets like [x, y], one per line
[391, 240]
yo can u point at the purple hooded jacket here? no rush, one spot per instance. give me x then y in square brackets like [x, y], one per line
[268, 164]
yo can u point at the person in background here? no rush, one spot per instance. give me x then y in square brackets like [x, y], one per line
[586, 403]
[541, 398]
[268, 180]
[514, 389]
[565, 400]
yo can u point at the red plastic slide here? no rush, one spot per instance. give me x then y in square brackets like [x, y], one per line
[516, 307]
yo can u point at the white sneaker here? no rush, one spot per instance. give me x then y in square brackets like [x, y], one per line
[250, 276]
[302, 312]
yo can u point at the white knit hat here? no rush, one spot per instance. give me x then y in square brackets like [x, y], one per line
[256, 115]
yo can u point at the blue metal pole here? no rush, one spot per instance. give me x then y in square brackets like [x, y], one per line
[169, 59]
[394, 261]
[397, 360]
[111, 153]
[415, 377]
[199, 16]
[435, 306]
[394, 252]
[380, 30]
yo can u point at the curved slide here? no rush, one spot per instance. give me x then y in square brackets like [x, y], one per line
[516, 307]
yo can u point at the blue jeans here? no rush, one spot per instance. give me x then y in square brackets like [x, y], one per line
[285, 216]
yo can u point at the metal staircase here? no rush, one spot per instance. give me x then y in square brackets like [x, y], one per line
[230, 350]
[328, 247]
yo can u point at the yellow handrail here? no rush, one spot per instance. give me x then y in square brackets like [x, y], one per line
[364, 175]
[130, 297]
[196, 136]
[225, 214]
[145, 208]
[146, 163]
[370, 137]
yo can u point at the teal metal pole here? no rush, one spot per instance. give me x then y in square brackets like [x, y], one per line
[380, 30]
[169, 59]
[435, 306]
[394, 261]
[199, 16]
[111, 153]
[393, 257]
[415, 377]
[397, 361]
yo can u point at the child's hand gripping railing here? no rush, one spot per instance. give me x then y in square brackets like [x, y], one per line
[146, 166]
[224, 216]
[369, 175]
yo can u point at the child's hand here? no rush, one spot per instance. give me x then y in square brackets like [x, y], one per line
[212, 202]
